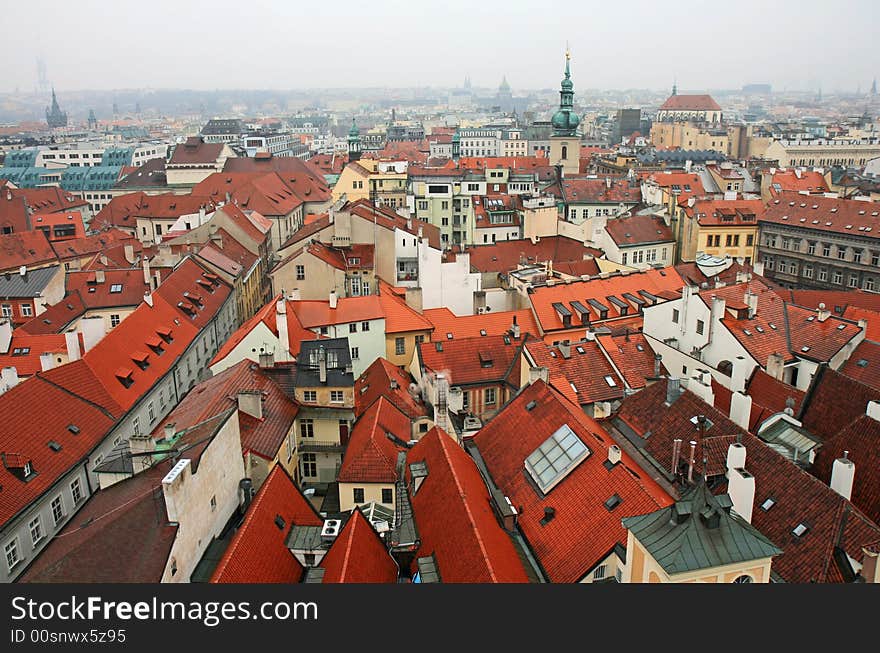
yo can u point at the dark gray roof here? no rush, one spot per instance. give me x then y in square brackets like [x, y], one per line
[698, 532]
[314, 575]
[223, 126]
[31, 284]
[305, 538]
[339, 374]
[404, 534]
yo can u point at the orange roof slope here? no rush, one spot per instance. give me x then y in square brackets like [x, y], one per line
[371, 455]
[472, 326]
[455, 519]
[258, 551]
[582, 531]
[585, 377]
[690, 103]
[384, 379]
[28, 248]
[632, 356]
[399, 317]
[474, 360]
[358, 555]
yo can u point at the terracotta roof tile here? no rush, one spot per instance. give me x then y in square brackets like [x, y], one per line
[455, 518]
[690, 103]
[586, 372]
[371, 456]
[632, 356]
[383, 379]
[478, 360]
[851, 217]
[258, 551]
[472, 326]
[358, 555]
[638, 230]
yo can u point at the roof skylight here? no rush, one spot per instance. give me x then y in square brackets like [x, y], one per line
[555, 458]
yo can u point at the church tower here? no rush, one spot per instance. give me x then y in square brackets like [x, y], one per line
[354, 142]
[93, 121]
[55, 117]
[565, 143]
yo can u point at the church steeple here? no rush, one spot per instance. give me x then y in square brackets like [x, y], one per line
[55, 117]
[674, 87]
[565, 120]
[354, 142]
[874, 87]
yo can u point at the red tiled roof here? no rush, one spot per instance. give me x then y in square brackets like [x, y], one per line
[265, 193]
[863, 364]
[639, 230]
[384, 217]
[102, 242]
[258, 551]
[328, 163]
[583, 531]
[195, 150]
[462, 361]
[872, 318]
[128, 537]
[49, 199]
[506, 255]
[583, 373]
[455, 518]
[13, 211]
[798, 497]
[29, 364]
[295, 173]
[825, 214]
[399, 317]
[835, 401]
[354, 257]
[28, 248]
[690, 103]
[805, 180]
[316, 313]
[632, 356]
[471, 326]
[29, 437]
[587, 267]
[723, 213]
[358, 555]
[653, 281]
[130, 285]
[772, 395]
[371, 456]
[266, 315]
[376, 381]
[597, 191]
[861, 439]
[319, 224]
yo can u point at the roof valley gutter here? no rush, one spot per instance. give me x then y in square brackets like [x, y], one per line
[519, 540]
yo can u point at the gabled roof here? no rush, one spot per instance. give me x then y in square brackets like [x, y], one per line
[14, 285]
[455, 518]
[653, 281]
[470, 361]
[505, 255]
[863, 364]
[322, 222]
[358, 555]
[317, 313]
[196, 151]
[683, 184]
[804, 180]
[28, 248]
[699, 533]
[582, 531]
[124, 210]
[371, 455]
[29, 438]
[399, 317]
[383, 379]
[690, 103]
[219, 394]
[834, 401]
[585, 377]
[119, 288]
[49, 199]
[99, 243]
[388, 219]
[772, 395]
[258, 552]
[472, 326]
[632, 356]
[295, 173]
[636, 230]
[598, 191]
[724, 213]
[25, 350]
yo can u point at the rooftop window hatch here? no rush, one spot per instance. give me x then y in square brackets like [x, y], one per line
[557, 456]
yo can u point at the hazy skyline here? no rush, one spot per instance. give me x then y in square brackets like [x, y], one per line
[270, 45]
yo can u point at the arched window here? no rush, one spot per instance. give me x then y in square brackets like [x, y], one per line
[565, 151]
[726, 368]
[745, 578]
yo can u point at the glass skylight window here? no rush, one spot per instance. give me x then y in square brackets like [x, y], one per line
[610, 381]
[116, 287]
[555, 458]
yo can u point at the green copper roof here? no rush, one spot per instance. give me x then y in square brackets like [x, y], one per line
[565, 121]
[354, 132]
[699, 532]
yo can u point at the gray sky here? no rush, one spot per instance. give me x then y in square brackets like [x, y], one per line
[96, 44]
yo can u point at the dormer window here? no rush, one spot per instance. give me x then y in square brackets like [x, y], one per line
[124, 376]
[141, 359]
[165, 334]
[19, 466]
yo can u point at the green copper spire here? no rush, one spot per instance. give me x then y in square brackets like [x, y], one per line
[354, 132]
[565, 121]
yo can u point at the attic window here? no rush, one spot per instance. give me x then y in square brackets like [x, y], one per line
[805, 348]
[165, 334]
[555, 458]
[759, 329]
[580, 350]
[613, 501]
[73, 428]
[279, 522]
[862, 362]
[21, 351]
[747, 332]
[800, 529]
[438, 346]
[772, 326]
[141, 359]
[116, 288]
[54, 446]
[841, 327]
[485, 359]
[123, 375]
[768, 503]
[531, 405]
[449, 336]
[610, 381]
[482, 332]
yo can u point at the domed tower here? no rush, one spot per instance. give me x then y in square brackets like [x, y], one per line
[456, 145]
[93, 121]
[354, 142]
[565, 143]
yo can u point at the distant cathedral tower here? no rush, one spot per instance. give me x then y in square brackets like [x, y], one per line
[354, 142]
[874, 88]
[565, 143]
[55, 117]
[93, 121]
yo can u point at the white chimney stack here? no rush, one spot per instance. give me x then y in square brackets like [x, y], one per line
[333, 299]
[99, 276]
[92, 329]
[9, 377]
[741, 409]
[5, 336]
[148, 298]
[823, 313]
[147, 279]
[250, 402]
[741, 489]
[614, 454]
[283, 333]
[71, 339]
[736, 456]
[874, 410]
[47, 361]
[842, 474]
